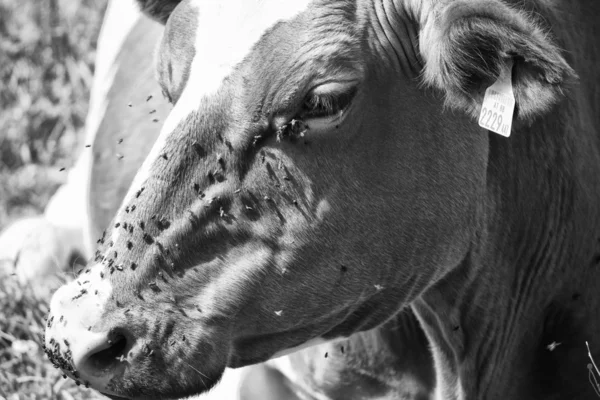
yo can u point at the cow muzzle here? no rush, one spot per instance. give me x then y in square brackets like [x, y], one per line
[75, 340]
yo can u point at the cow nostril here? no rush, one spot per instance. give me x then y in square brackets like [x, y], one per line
[107, 359]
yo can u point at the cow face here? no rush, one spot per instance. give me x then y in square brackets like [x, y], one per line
[306, 185]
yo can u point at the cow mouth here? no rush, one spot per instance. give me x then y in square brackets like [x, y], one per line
[108, 359]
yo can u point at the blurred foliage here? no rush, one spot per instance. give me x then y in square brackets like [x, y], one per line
[47, 50]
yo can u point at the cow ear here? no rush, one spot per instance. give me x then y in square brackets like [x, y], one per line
[468, 44]
[159, 10]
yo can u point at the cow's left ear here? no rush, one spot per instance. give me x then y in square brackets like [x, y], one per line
[467, 44]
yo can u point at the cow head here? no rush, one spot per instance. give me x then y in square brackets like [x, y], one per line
[320, 169]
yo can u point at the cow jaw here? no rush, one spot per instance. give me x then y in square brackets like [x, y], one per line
[103, 340]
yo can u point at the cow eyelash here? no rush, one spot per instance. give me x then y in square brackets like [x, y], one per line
[167, 96]
[317, 105]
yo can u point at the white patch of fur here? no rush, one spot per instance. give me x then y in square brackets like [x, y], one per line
[35, 250]
[227, 31]
[119, 19]
[79, 313]
[225, 34]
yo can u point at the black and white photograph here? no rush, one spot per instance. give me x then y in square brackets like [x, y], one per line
[300, 199]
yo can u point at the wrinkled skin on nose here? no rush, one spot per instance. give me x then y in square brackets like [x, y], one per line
[248, 233]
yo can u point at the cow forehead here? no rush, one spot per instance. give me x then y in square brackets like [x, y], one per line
[226, 32]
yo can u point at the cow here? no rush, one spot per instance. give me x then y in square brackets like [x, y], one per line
[122, 124]
[323, 169]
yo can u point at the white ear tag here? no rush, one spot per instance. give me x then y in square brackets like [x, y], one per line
[499, 104]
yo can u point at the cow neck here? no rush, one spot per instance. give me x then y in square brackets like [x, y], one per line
[390, 361]
[522, 287]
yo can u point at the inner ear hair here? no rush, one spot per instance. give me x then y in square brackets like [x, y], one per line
[468, 44]
[159, 10]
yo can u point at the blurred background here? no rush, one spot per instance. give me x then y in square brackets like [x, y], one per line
[47, 51]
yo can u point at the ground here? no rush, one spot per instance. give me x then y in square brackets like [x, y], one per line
[47, 51]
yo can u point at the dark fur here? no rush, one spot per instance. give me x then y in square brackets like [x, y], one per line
[159, 10]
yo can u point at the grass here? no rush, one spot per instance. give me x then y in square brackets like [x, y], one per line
[47, 51]
[593, 371]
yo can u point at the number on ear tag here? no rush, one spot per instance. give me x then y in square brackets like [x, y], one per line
[499, 104]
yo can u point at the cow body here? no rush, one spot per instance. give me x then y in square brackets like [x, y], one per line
[308, 186]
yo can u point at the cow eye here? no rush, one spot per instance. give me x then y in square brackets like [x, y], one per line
[327, 104]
